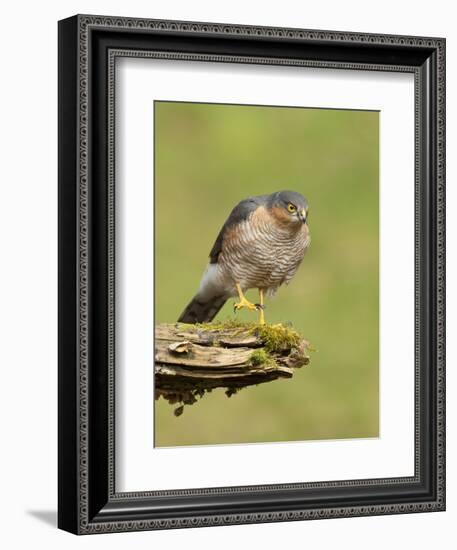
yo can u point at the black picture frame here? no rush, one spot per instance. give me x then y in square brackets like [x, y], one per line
[87, 500]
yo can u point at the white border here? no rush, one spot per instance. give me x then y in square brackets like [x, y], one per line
[140, 467]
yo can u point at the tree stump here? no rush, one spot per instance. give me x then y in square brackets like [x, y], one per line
[191, 360]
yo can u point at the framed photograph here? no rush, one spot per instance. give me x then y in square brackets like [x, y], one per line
[251, 274]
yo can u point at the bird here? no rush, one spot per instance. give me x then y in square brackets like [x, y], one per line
[261, 245]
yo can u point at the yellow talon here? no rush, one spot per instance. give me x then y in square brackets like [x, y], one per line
[244, 302]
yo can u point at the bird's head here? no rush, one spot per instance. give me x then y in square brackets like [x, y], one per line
[289, 207]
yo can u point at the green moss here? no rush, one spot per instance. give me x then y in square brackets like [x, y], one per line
[228, 324]
[277, 338]
[258, 357]
[261, 358]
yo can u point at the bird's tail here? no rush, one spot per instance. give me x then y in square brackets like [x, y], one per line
[202, 310]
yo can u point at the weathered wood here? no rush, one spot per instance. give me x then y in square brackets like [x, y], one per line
[191, 360]
[202, 356]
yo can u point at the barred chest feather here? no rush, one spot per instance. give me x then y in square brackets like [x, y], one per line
[261, 253]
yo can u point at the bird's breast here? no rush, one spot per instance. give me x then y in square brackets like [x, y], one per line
[260, 253]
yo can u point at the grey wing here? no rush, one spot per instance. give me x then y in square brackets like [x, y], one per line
[241, 212]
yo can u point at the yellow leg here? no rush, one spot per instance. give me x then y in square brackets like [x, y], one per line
[262, 315]
[243, 301]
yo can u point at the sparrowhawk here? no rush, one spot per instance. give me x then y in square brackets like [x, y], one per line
[261, 245]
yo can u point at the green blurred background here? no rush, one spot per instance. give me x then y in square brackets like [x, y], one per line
[208, 157]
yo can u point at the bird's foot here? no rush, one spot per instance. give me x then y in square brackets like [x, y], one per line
[244, 303]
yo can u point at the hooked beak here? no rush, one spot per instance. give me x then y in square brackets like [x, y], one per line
[302, 214]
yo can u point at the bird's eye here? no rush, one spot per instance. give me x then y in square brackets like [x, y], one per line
[291, 208]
